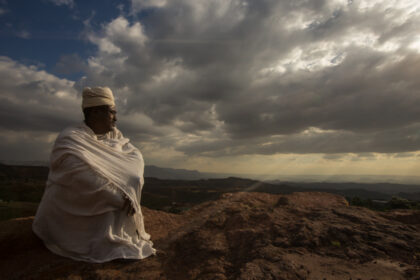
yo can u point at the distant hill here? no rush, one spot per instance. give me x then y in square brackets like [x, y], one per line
[21, 188]
[176, 190]
[40, 170]
[170, 173]
[410, 196]
[23, 172]
[385, 188]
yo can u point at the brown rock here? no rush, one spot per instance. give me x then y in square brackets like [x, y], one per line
[243, 236]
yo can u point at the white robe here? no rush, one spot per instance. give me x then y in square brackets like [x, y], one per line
[80, 215]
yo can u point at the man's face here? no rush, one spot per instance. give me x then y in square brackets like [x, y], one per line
[110, 117]
[105, 118]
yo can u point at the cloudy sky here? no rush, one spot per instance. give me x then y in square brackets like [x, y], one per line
[241, 86]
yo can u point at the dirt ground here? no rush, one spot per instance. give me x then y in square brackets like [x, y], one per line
[243, 236]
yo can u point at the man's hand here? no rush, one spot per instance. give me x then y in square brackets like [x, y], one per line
[128, 207]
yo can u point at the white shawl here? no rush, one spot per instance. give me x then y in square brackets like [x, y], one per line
[80, 215]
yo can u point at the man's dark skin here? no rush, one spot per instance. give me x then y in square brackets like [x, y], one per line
[101, 119]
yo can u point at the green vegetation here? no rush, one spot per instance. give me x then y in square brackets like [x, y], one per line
[29, 190]
[394, 203]
[16, 209]
[336, 243]
[176, 199]
[20, 197]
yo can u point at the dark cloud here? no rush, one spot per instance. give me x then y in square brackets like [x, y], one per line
[24, 146]
[312, 141]
[70, 64]
[20, 118]
[33, 100]
[239, 77]
[272, 68]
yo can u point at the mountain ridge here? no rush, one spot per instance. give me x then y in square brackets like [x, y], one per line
[187, 174]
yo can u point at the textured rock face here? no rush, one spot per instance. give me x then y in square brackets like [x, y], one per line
[245, 236]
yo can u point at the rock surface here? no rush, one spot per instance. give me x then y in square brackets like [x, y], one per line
[244, 236]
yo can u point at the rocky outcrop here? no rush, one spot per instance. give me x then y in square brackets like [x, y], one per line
[244, 236]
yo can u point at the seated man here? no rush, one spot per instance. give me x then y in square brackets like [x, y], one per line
[90, 210]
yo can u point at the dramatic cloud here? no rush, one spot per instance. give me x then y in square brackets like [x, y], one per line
[220, 78]
[33, 106]
[238, 77]
[70, 64]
